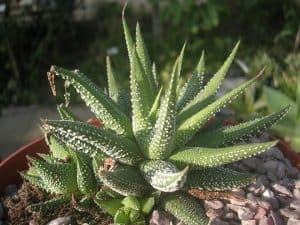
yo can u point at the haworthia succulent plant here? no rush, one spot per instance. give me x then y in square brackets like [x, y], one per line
[155, 151]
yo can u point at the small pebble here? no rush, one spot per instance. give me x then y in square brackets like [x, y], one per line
[256, 188]
[292, 221]
[281, 170]
[290, 213]
[242, 212]
[10, 190]
[296, 193]
[213, 204]
[271, 166]
[229, 215]
[266, 221]
[295, 205]
[254, 164]
[262, 180]
[297, 184]
[217, 221]
[159, 218]
[271, 176]
[270, 197]
[292, 172]
[261, 212]
[277, 220]
[61, 221]
[248, 222]
[282, 189]
[211, 213]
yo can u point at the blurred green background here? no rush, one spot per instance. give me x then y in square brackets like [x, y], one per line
[78, 34]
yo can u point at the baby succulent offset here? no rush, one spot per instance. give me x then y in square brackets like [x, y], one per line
[150, 155]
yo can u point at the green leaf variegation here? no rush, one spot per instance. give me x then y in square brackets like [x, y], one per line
[90, 140]
[152, 152]
[193, 86]
[210, 157]
[125, 180]
[163, 133]
[217, 179]
[188, 126]
[163, 176]
[185, 208]
[240, 132]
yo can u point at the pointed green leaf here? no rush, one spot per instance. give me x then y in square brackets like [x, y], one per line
[298, 98]
[141, 99]
[143, 55]
[58, 149]
[110, 206]
[163, 176]
[215, 82]
[113, 87]
[122, 217]
[131, 202]
[161, 141]
[180, 60]
[155, 75]
[120, 95]
[185, 207]
[48, 158]
[210, 157]
[188, 126]
[147, 205]
[236, 133]
[86, 180]
[58, 178]
[35, 180]
[90, 139]
[127, 34]
[192, 86]
[125, 180]
[206, 95]
[154, 109]
[217, 179]
[105, 109]
[65, 113]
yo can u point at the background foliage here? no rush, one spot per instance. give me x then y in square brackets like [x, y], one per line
[47, 32]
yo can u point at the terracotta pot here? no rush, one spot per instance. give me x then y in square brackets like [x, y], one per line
[17, 161]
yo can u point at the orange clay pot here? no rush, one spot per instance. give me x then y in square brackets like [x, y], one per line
[17, 161]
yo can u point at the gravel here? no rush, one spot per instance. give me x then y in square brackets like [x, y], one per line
[273, 199]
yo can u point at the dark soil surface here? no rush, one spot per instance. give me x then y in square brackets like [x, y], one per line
[17, 213]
